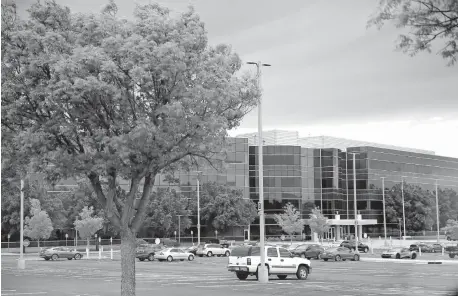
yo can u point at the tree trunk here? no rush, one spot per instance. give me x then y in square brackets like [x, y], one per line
[127, 262]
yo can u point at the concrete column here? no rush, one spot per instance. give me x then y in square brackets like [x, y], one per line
[314, 237]
[360, 232]
[337, 232]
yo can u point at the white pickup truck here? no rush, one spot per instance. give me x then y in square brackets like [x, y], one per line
[244, 261]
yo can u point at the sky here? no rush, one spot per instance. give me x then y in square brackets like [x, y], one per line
[330, 74]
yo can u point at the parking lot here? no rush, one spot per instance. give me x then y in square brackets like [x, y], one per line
[208, 276]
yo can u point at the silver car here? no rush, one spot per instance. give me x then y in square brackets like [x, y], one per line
[60, 252]
[399, 253]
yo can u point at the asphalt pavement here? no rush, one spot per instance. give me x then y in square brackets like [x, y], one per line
[208, 276]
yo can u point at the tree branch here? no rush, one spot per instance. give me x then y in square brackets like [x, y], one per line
[112, 212]
[144, 201]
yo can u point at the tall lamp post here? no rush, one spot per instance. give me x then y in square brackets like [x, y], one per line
[403, 207]
[355, 207]
[384, 215]
[199, 174]
[179, 228]
[21, 261]
[437, 212]
[263, 275]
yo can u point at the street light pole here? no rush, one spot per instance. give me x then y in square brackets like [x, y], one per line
[355, 207]
[179, 228]
[403, 206]
[437, 211]
[384, 215]
[198, 207]
[263, 275]
[21, 261]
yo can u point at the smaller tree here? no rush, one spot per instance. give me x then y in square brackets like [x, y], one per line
[318, 223]
[290, 221]
[39, 226]
[88, 224]
[451, 228]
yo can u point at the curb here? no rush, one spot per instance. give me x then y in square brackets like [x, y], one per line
[407, 261]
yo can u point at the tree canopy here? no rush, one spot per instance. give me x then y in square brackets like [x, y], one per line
[428, 21]
[95, 96]
[38, 226]
[318, 222]
[88, 224]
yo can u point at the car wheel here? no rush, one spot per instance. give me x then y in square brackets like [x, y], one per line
[366, 250]
[282, 276]
[190, 258]
[47, 259]
[69, 258]
[302, 255]
[150, 257]
[209, 254]
[55, 257]
[302, 273]
[318, 256]
[241, 275]
[170, 258]
[227, 254]
[356, 258]
[337, 258]
[77, 256]
[398, 256]
[325, 259]
[451, 255]
[141, 259]
[414, 255]
[433, 251]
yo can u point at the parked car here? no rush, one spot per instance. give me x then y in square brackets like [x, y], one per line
[212, 249]
[352, 245]
[171, 254]
[452, 236]
[147, 252]
[426, 248]
[399, 253]
[55, 253]
[244, 261]
[213, 241]
[339, 254]
[437, 248]
[230, 244]
[308, 251]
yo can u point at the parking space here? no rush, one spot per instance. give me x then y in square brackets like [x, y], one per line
[208, 275]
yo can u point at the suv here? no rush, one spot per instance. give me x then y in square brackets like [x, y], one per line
[143, 251]
[352, 246]
[212, 249]
[245, 261]
[424, 248]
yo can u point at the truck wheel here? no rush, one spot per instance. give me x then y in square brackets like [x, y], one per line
[302, 273]
[241, 275]
[282, 276]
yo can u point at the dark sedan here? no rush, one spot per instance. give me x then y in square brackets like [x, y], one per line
[308, 251]
[352, 246]
[424, 248]
[147, 252]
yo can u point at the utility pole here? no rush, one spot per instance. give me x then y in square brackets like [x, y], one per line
[403, 207]
[199, 174]
[384, 214]
[437, 212]
[355, 207]
[21, 261]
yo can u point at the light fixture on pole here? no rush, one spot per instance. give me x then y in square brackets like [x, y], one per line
[384, 215]
[354, 201]
[263, 275]
[403, 207]
[437, 211]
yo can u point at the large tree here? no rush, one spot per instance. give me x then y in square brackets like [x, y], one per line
[318, 223]
[223, 206]
[163, 212]
[88, 224]
[428, 21]
[104, 98]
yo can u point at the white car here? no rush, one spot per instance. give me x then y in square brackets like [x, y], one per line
[212, 249]
[399, 253]
[171, 254]
[245, 261]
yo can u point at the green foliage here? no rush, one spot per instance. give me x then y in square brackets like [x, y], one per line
[318, 222]
[451, 228]
[162, 217]
[428, 21]
[290, 221]
[88, 225]
[100, 97]
[39, 226]
[223, 206]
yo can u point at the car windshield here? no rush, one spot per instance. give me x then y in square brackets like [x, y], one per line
[331, 250]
